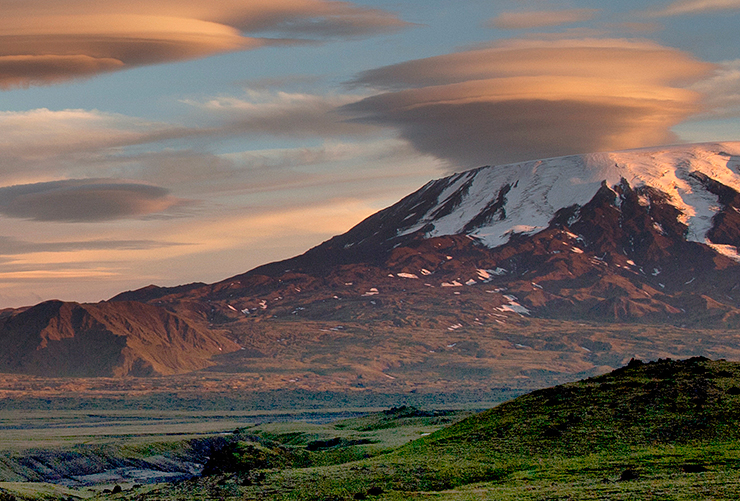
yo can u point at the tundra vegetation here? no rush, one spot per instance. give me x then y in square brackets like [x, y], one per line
[659, 430]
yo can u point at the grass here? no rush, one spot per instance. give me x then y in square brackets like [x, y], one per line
[657, 431]
[27, 490]
[665, 430]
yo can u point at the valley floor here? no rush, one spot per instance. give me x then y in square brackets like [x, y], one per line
[665, 430]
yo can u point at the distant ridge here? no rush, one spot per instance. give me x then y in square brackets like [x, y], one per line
[105, 339]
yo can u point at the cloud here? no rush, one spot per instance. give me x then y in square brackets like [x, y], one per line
[282, 114]
[42, 133]
[48, 41]
[85, 200]
[526, 99]
[683, 7]
[721, 91]
[540, 19]
[10, 246]
[40, 146]
[258, 179]
[597, 58]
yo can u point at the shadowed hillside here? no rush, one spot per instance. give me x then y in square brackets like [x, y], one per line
[105, 339]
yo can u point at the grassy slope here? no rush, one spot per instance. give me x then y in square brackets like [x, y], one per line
[664, 430]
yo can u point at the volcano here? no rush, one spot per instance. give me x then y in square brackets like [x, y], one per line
[564, 266]
[648, 234]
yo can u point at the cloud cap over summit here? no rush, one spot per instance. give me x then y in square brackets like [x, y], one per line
[525, 99]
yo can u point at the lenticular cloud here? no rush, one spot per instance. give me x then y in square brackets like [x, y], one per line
[526, 99]
[83, 200]
[48, 41]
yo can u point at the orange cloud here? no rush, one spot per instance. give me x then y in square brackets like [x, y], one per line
[722, 91]
[682, 7]
[540, 19]
[534, 99]
[47, 41]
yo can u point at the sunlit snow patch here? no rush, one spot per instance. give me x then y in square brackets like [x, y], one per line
[407, 275]
[513, 306]
[726, 250]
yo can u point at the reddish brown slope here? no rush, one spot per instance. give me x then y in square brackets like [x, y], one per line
[602, 261]
[105, 339]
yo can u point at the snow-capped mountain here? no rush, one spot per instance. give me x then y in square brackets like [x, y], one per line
[642, 237]
[649, 234]
[689, 192]
[492, 204]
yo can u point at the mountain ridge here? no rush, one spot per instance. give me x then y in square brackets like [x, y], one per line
[639, 237]
[105, 339]
[656, 228]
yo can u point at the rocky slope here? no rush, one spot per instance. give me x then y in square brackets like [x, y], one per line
[105, 339]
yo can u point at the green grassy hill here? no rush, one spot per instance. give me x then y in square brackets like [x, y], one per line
[664, 402]
[660, 430]
[649, 431]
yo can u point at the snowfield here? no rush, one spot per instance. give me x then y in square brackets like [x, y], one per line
[534, 191]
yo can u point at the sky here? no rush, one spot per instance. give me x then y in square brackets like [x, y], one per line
[178, 141]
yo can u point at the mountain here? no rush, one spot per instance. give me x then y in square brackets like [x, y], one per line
[519, 275]
[105, 339]
[645, 233]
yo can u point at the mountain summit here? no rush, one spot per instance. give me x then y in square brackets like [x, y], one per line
[647, 233]
[688, 191]
[550, 267]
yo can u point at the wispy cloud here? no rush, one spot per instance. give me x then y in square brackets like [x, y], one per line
[89, 166]
[526, 99]
[683, 7]
[721, 91]
[10, 246]
[282, 114]
[540, 19]
[49, 41]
